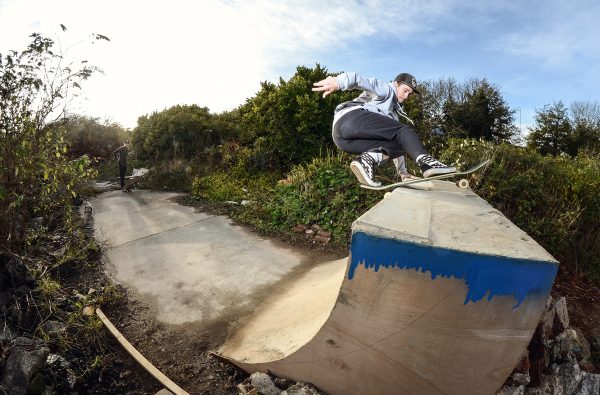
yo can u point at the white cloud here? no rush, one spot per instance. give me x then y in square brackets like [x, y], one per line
[555, 34]
[215, 53]
[212, 53]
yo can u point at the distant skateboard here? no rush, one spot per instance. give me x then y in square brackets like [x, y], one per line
[134, 178]
[462, 183]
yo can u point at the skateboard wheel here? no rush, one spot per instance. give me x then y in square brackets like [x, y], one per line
[463, 183]
[387, 194]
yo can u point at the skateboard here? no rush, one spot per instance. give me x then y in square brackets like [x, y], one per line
[134, 178]
[462, 183]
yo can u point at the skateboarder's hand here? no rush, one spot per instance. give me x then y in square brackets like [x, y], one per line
[327, 86]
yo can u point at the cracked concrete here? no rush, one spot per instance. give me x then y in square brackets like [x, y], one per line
[192, 266]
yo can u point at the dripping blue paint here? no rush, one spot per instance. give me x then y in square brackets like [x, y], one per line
[483, 274]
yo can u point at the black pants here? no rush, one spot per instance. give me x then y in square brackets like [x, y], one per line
[360, 131]
[122, 171]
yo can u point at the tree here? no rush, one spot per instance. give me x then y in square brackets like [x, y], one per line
[290, 121]
[585, 120]
[181, 131]
[435, 95]
[478, 111]
[36, 177]
[552, 133]
[90, 136]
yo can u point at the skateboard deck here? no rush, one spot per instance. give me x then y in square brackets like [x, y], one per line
[134, 178]
[462, 183]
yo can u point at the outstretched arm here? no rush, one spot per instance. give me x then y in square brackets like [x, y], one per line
[348, 81]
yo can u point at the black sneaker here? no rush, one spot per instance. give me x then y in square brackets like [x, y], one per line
[363, 168]
[433, 167]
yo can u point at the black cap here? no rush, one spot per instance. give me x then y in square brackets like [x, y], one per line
[408, 79]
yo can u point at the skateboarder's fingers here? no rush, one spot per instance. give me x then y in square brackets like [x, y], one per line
[327, 86]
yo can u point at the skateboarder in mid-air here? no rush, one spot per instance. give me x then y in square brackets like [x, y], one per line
[375, 125]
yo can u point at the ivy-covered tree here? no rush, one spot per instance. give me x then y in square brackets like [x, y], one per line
[552, 133]
[36, 176]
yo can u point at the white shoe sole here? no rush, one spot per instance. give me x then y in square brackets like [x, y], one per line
[438, 171]
[360, 174]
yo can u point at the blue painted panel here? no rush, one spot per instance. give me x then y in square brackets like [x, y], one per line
[483, 274]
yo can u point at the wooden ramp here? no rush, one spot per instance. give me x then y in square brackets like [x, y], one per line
[440, 295]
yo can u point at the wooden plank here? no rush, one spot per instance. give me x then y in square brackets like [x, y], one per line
[157, 374]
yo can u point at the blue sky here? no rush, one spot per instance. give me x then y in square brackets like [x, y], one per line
[215, 53]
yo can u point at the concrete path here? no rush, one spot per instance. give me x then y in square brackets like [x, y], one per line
[193, 266]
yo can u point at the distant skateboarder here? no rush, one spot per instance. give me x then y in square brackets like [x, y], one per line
[121, 155]
[376, 125]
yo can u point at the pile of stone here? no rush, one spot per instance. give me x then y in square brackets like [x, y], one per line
[315, 232]
[262, 383]
[558, 359]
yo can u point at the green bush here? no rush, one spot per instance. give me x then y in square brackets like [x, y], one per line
[218, 187]
[323, 192]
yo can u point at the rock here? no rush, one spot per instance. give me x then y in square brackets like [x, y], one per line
[511, 390]
[561, 316]
[300, 228]
[549, 385]
[89, 310]
[5, 334]
[581, 347]
[323, 240]
[562, 346]
[60, 252]
[282, 383]
[547, 321]
[520, 378]
[57, 359]
[25, 361]
[570, 376]
[263, 384]
[316, 228]
[324, 234]
[590, 385]
[54, 327]
[301, 389]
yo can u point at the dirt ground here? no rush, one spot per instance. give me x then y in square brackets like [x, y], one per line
[183, 352]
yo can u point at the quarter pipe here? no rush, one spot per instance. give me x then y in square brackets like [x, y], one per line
[440, 295]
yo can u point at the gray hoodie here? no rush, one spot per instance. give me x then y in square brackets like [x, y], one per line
[383, 100]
